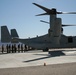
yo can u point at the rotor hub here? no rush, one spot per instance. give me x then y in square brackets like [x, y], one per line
[53, 11]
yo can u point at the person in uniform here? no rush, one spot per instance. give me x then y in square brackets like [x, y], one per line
[2, 48]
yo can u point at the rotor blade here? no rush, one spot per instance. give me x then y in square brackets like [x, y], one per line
[42, 14]
[67, 25]
[66, 12]
[63, 25]
[51, 11]
[44, 8]
[44, 21]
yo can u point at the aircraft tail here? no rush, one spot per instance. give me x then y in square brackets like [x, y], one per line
[14, 33]
[14, 36]
[5, 35]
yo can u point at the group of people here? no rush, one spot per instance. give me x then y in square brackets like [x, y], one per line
[14, 48]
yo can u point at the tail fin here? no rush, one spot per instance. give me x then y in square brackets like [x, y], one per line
[14, 33]
[14, 36]
[5, 35]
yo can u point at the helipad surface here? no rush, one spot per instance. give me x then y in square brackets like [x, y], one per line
[35, 58]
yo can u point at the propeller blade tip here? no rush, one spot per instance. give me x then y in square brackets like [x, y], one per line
[34, 3]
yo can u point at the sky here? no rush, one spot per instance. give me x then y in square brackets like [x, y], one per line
[20, 14]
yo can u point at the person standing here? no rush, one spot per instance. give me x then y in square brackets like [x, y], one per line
[21, 47]
[2, 48]
[15, 48]
[12, 48]
[7, 48]
[25, 48]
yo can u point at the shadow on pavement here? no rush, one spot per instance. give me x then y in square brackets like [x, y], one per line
[37, 59]
[51, 54]
[56, 53]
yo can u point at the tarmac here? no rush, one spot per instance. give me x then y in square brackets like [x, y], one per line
[37, 58]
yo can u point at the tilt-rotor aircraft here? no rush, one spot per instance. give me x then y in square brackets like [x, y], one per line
[54, 38]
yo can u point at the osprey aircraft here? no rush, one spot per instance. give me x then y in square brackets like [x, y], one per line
[54, 38]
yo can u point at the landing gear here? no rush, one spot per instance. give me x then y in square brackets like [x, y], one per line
[45, 50]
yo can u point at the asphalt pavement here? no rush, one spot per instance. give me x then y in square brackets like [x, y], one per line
[36, 58]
